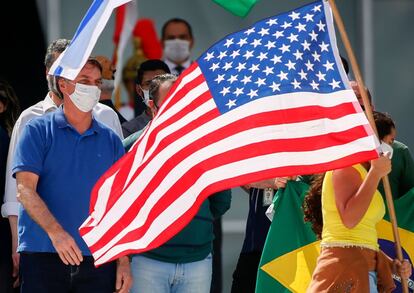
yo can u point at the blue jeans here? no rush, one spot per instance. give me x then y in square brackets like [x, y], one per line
[162, 277]
[45, 272]
[372, 275]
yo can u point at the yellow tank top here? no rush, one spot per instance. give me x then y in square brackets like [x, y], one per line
[334, 232]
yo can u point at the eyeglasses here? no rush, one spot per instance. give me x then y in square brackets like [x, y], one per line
[97, 83]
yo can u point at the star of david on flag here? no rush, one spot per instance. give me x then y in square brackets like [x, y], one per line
[271, 100]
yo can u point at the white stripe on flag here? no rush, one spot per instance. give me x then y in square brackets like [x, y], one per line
[72, 60]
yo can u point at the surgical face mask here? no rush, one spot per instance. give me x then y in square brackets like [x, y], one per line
[146, 96]
[177, 50]
[108, 85]
[385, 147]
[85, 97]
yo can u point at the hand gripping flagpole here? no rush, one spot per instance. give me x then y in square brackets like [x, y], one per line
[368, 112]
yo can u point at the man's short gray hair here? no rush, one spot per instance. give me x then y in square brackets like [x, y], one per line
[53, 51]
[156, 82]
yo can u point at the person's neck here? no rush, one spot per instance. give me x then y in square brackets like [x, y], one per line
[55, 99]
[81, 121]
[105, 96]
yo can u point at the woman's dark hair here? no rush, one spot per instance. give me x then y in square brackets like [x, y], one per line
[11, 103]
[312, 204]
[384, 123]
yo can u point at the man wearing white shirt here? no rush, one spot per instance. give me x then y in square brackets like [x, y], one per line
[177, 41]
[51, 102]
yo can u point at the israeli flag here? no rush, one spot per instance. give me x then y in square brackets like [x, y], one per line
[72, 60]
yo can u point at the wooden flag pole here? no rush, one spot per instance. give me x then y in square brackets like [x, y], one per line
[368, 112]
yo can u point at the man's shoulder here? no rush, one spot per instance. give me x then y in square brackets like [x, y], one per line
[102, 109]
[399, 146]
[33, 111]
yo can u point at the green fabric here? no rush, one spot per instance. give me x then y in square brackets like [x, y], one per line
[129, 141]
[402, 173]
[194, 242]
[287, 232]
[404, 210]
[238, 7]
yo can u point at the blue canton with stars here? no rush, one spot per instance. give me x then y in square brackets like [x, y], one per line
[290, 52]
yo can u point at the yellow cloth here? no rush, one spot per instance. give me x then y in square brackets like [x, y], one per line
[335, 233]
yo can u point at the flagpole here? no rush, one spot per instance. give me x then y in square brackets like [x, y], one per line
[368, 112]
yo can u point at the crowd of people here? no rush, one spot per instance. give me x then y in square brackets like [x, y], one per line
[53, 153]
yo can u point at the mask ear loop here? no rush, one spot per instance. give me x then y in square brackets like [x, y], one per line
[54, 86]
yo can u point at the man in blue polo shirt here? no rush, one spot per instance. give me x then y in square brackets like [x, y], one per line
[57, 161]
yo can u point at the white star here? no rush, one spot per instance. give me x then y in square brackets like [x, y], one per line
[231, 103]
[290, 65]
[275, 86]
[294, 15]
[298, 55]
[242, 42]
[314, 85]
[271, 22]
[246, 79]
[214, 66]
[241, 66]
[254, 67]
[309, 66]
[222, 55]
[229, 42]
[276, 59]
[238, 91]
[227, 66]
[316, 56]
[313, 36]
[308, 17]
[303, 74]
[248, 54]
[232, 78]
[263, 32]
[256, 42]
[260, 81]
[324, 47]
[301, 27]
[296, 84]
[209, 56]
[219, 78]
[305, 45]
[253, 93]
[292, 38]
[235, 53]
[270, 45]
[321, 76]
[328, 66]
[282, 75]
[334, 84]
[285, 25]
[278, 34]
[268, 70]
[317, 8]
[321, 26]
[284, 48]
[249, 31]
[262, 56]
[225, 91]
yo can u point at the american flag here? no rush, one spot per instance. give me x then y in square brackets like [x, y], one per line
[272, 100]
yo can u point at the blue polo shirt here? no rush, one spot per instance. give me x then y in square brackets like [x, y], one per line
[68, 165]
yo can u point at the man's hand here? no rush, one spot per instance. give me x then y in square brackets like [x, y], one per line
[15, 255]
[16, 262]
[66, 247]
[123, 275]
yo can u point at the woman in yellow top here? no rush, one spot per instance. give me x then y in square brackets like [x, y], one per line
[350, 259]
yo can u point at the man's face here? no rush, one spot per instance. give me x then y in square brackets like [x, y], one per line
[389, 138]
[357, 91]
[162, 94]
[177, 30]
[89, 75]
[146, 80]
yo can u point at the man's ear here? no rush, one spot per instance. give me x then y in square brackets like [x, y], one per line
[138, 90]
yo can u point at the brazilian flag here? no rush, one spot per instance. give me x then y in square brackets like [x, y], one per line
[404, 209]
[291, 249]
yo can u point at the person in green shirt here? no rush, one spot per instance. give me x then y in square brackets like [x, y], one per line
[184, 263]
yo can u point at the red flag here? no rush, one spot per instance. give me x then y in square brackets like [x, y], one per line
[272, 100]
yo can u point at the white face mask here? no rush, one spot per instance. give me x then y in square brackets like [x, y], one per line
[385, 147]
[108, 85]
[85, 97]
[177, 50]
[146, 96]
